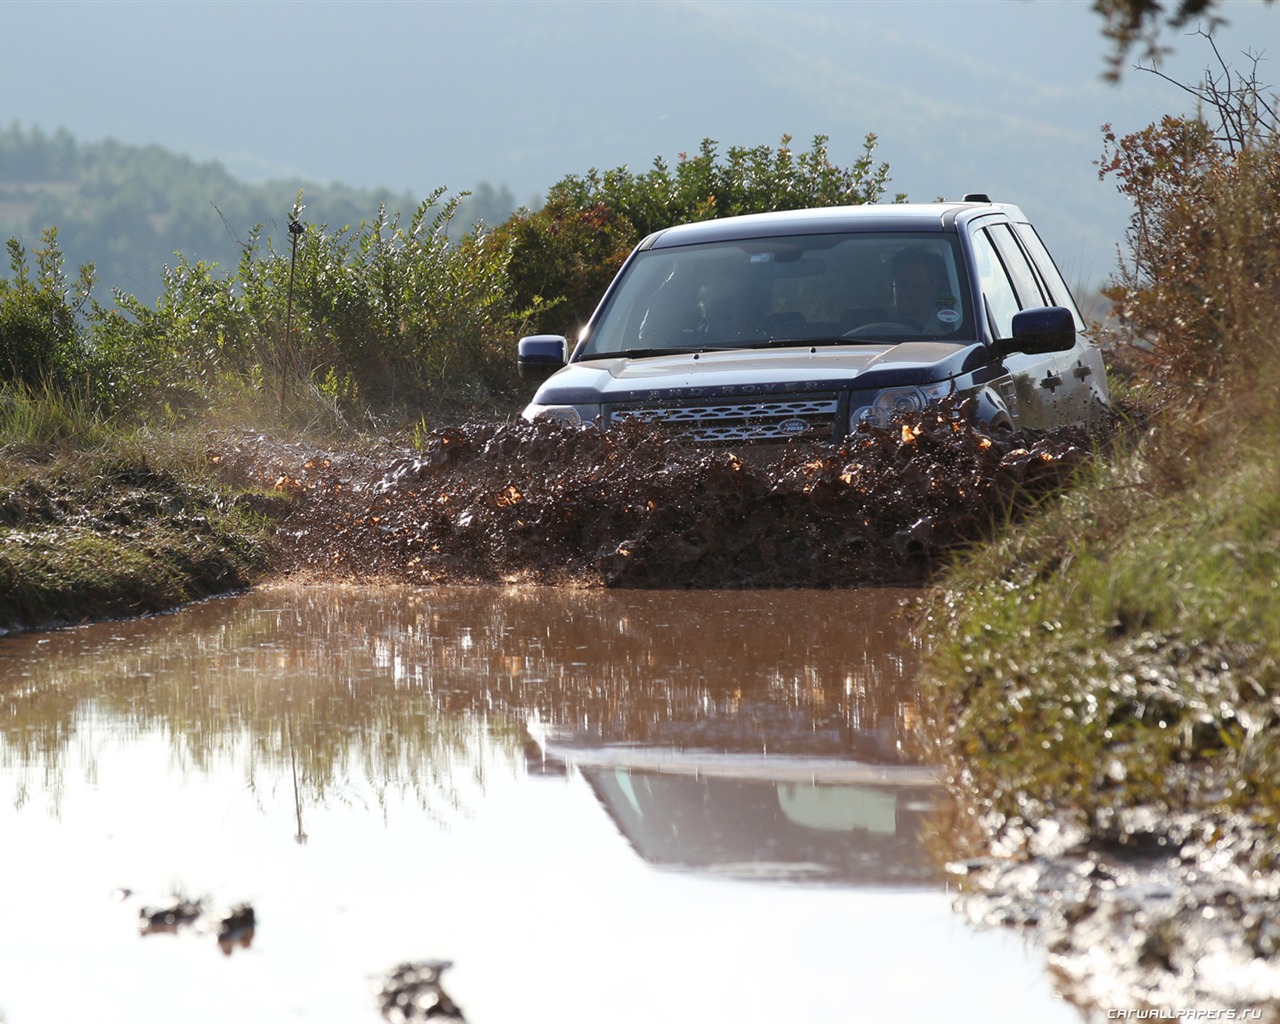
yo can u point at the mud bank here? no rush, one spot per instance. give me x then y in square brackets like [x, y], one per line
[1168, 923]
[1103, 686]
[545, 503]
[117, 537]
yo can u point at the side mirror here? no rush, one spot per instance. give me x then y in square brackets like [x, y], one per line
[540, 355]
[1040, 330]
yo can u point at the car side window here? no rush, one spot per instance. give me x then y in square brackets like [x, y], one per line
[1002, 302]
[1059, 293]
[1015, 261]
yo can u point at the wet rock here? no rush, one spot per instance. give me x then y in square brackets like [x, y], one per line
[412, 993]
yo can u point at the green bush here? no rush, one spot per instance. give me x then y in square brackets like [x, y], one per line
[40, 339]
[401, 311]
[747, 180]
[563, 259]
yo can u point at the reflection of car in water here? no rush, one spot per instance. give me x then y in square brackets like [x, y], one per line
[805, 325]
[772, 817]
[763, 736]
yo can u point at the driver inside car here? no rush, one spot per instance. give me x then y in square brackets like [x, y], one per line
[920, 291]
[733, 307]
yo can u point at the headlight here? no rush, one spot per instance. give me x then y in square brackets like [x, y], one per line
[885, 405]
[569, 415]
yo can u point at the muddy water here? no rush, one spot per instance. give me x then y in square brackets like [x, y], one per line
[599, 805]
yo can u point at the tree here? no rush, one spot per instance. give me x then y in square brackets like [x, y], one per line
[1130, 23]
[1203, 263]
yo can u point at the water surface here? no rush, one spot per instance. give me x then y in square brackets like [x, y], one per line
[600, 805]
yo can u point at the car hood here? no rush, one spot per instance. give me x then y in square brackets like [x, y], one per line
[759, 371]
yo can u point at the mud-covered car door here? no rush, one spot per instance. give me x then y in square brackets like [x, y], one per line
[1036, 380]
[1045, 391]
[1089, 396]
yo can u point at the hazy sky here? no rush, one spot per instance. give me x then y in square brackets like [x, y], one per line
[965, 95]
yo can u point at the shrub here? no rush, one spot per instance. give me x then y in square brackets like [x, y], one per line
[402, 311]
[40, 338]
[563, 258]
[1202, 256]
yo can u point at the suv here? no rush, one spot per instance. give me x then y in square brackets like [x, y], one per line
[806, 324]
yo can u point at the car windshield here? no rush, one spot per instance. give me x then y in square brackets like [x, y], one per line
[804, 289]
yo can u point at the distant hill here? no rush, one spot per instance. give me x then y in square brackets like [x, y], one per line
[128, 209]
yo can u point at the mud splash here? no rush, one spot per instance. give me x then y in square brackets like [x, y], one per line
[635, 507]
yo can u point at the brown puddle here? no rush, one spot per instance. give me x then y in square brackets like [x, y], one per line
[597, 804]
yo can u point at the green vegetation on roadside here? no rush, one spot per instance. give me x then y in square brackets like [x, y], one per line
[361, 327]
[1122, 650]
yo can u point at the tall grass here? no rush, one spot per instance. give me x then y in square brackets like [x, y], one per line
[387, 317]
[42, 424]
[344, 326]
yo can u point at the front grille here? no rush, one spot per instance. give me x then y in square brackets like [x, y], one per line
[804, 419]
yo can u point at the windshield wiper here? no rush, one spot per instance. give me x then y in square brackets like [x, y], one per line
[741, 346]
[816, 342]
[645, 353]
